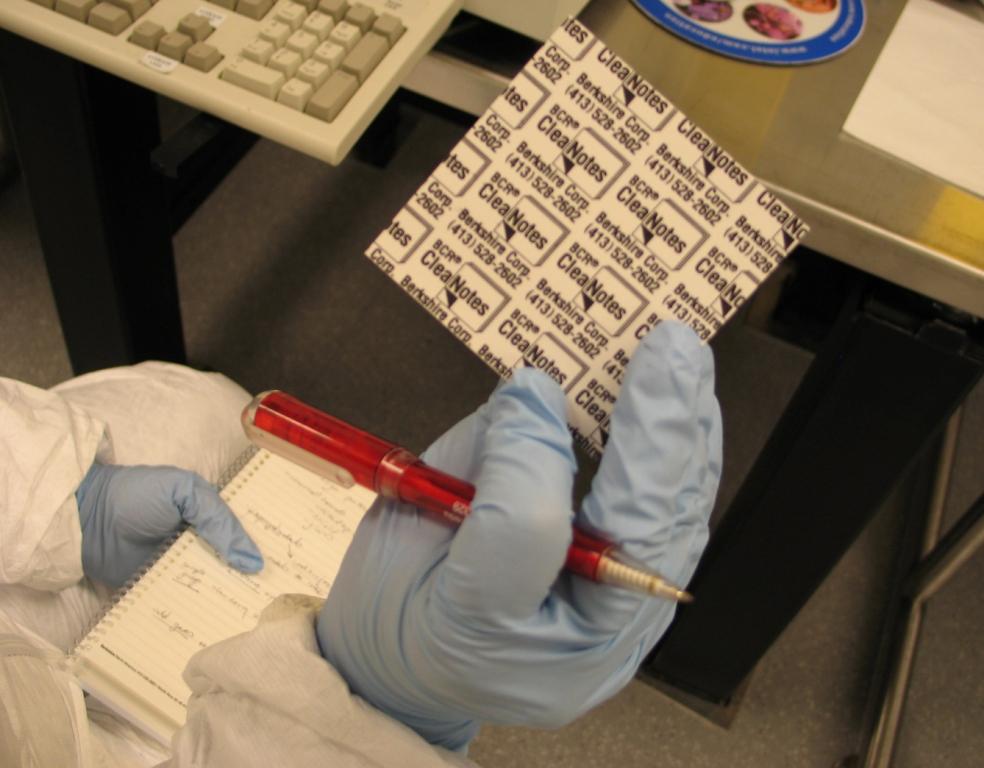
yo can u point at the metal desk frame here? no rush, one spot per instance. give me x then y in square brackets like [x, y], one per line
[84, 139]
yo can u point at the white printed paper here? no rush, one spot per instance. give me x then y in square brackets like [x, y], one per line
[580, 210]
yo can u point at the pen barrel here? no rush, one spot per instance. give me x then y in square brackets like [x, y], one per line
[347, 455]
[583, 562]
[401, 475]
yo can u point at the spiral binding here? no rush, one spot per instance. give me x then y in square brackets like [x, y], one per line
[230, 482]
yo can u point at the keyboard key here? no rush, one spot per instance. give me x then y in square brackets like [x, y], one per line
[329, 99]
[310, 5]
[227, 4]
[276, 32]
[314, 72]
[290, 13]
[253, 77]
[202, 57]
[295, 94]
[259, 51]
[368, 52]
[390, 27]
[319, 24]
[334, 8]
[254, 9]
[302, 42]
[147, 34]
[75, 9]
[361, 16]
[49, 4]
[285, 60]
[175, 45]
[330, 53]
[136, 8]
[196, 27]
[109, 18]
[346, 35]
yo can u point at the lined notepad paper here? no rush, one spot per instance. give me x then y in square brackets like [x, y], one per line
[134, 657]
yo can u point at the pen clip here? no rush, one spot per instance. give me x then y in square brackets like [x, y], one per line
[303, 458]
[336, 474]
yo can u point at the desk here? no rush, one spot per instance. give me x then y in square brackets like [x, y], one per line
[884, 384]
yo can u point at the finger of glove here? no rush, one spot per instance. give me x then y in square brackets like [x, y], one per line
[655, 488]
[397, 544]
[457, 450]
[393, 556]
[201, 507]
[507, 553]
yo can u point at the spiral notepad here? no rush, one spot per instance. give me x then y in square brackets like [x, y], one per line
[134, 656]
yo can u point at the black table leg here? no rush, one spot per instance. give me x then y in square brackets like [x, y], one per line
[83, 139]
[880, 389]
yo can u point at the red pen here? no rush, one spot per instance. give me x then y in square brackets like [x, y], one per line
[348, 456]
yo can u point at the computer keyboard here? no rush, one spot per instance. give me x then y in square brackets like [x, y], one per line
[310, 74]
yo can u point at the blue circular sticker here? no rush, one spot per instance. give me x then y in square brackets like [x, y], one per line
[774, 32]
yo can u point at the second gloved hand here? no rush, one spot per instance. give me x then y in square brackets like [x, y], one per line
[128, 512]
[444, 630]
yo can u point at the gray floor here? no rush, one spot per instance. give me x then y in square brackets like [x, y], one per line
[275, 293]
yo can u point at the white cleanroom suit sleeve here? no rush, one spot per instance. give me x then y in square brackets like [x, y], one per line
[165, 414]
[46, 447]
[42, 714]
[268, 697]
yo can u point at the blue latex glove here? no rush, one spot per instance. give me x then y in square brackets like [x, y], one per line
[128, 512]
[445, 630]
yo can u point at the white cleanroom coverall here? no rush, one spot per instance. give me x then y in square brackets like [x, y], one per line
[263, 698]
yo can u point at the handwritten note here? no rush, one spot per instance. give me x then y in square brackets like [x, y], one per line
[189, 599]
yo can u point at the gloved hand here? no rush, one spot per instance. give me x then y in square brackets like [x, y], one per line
[443, 630]
[128, 512]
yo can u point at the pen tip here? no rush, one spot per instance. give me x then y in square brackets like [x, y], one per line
[668, 591]
[662, 588]
[611, 571]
